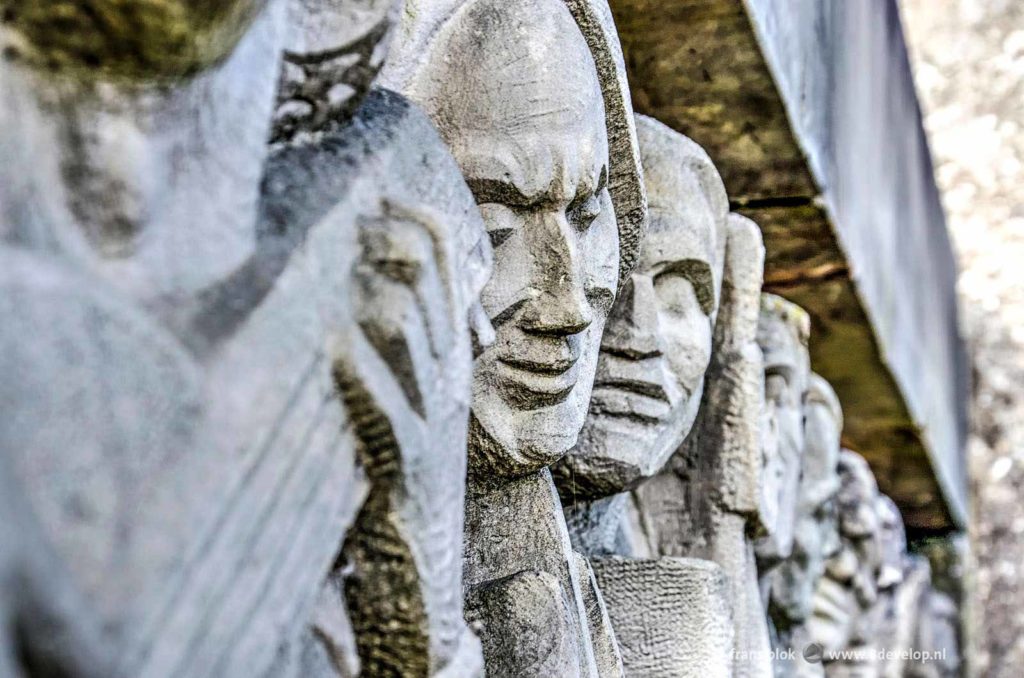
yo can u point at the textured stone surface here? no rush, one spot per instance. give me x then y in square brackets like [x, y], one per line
[808, 109]
[45, 624]
[845, 614]
[195, 471]
[671, 616]
[516, 536]
[286, 384]
[816, 536]
[530, 99]
[606, 645]
[333, 53]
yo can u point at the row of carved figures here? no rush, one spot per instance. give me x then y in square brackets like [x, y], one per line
[368, 337]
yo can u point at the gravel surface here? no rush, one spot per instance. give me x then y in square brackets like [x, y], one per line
[968, 58]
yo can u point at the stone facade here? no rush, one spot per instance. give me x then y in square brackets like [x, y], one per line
[361, 337]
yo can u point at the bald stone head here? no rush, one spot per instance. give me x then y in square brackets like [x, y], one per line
[657, 345]
[514, 91]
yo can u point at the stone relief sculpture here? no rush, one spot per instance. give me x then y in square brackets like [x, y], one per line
[308, 377]
[671, 615]
[44, 623]
[791, 584]
[525, 113]
[333, 54]
[403, 368]
[657, 343]
[198, 469]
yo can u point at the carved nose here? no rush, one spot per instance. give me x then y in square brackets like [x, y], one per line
[562, 307]
[633, 323]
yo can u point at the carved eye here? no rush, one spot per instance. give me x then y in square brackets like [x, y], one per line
[500, 221]
[583, 212]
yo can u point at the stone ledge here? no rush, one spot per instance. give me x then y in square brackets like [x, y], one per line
[809, 111]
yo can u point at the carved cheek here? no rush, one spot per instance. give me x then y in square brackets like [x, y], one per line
[600, 250]
[513, 266]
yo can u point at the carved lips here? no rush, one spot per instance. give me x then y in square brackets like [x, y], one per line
[633, 390]
[540, 379]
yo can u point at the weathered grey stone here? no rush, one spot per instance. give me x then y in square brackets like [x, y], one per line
[657, 344]
[176, 425]
[516, 528]
[939, 636]
[332, 56]
[153, 188]
[705, 503]
[504, 101]
[671, 615]
[816, 536]
[782, 333]
[403, 370]
[527, 626]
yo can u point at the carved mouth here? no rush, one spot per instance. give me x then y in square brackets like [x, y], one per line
[636, 386]
[638, 400]
[532, 384]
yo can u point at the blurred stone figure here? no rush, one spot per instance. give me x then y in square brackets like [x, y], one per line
[514, 90]
[219, 336]
[792, 583]
[333, 54]
[782, 333]
[845, 597]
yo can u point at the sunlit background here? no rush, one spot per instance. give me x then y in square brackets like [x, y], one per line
[968, 58]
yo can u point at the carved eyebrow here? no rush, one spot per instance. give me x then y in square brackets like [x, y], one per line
[499, 191]
[698, 273]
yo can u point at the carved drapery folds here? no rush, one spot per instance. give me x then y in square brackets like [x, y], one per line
[381, 338]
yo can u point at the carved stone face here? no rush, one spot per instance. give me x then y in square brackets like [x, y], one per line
[816, 537]
[523, 113]
[782, 335]
[657, 344]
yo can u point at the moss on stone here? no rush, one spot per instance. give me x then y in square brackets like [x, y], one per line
[124, 39]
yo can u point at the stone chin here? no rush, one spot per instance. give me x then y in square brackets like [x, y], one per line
[622, 446]
[510, 438]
